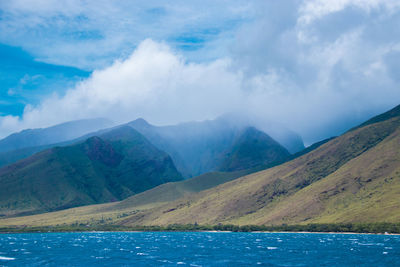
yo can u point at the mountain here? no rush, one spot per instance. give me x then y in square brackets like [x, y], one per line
[100, 169]
[55, 134]
[152, 198]
[284, 136]
[351, 178]
[394, 112]
[12, 156]
[196, 147]
[201, 147]
[253, 148]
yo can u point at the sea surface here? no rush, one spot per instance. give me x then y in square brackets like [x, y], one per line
[198, 249]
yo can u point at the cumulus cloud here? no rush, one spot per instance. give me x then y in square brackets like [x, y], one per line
[153, 82]
[317, 67]
[91, 34]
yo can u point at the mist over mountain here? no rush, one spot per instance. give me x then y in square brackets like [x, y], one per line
[200, 147]
[55, 134]
[251, 149]
[291, 140]
[353, 178]
[196, 147]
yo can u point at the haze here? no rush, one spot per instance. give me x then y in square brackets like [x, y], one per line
[315, 67]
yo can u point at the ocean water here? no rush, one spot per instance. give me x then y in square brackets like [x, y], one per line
[198, 249]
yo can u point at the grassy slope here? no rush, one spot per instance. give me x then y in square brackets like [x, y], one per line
[253, 148]
[366, 189]
[354, 177]
[218, 145]
[152, 198]
[252, 199]
[95, 171]
[394, 112]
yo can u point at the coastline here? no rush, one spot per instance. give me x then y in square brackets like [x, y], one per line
[251, 232]
[30, 230]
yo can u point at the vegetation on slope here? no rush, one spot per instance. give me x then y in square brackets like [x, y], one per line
[251, 149]
[102, 213]
[112, 167]
[51, 135]
[354, 178]
[394, 112]
[377, 228]
[255, 198]
[201, 147]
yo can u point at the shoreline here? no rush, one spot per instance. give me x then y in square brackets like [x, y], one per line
[348, 228]
[194, 231]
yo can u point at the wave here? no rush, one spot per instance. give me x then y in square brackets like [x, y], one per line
[6, 258]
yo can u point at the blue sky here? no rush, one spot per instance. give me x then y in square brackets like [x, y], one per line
[26, 81]
[317, 66]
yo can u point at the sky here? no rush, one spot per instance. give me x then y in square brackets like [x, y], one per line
[318, 67]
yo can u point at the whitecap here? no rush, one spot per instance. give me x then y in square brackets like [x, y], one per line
[180, 262]
[270, 248]
[6, 258]
[366, 244]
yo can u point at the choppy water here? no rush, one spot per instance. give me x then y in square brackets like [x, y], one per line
[198, 249]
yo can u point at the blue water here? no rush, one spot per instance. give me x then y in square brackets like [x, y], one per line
[198, 249]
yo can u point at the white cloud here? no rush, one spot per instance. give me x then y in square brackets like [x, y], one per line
[153, 82]
[315, 9]
[319, 85]
[91, 34]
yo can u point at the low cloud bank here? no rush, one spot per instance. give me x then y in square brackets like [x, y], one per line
[296, 71]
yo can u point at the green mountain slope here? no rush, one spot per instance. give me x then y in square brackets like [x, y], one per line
[155, 197]
[251, 149]
[101, 169]
[13, 156]
[394, 112]
[21, 145]
[351, 178]
[55, 134]
[201, 147]
[279, 194]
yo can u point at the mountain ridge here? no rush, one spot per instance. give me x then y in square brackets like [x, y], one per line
[199, 147]
[351, 178]
[100, 169]
[54, 134]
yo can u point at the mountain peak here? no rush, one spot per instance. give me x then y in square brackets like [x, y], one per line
[51, 135]
[254, 148]
[139, 122]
